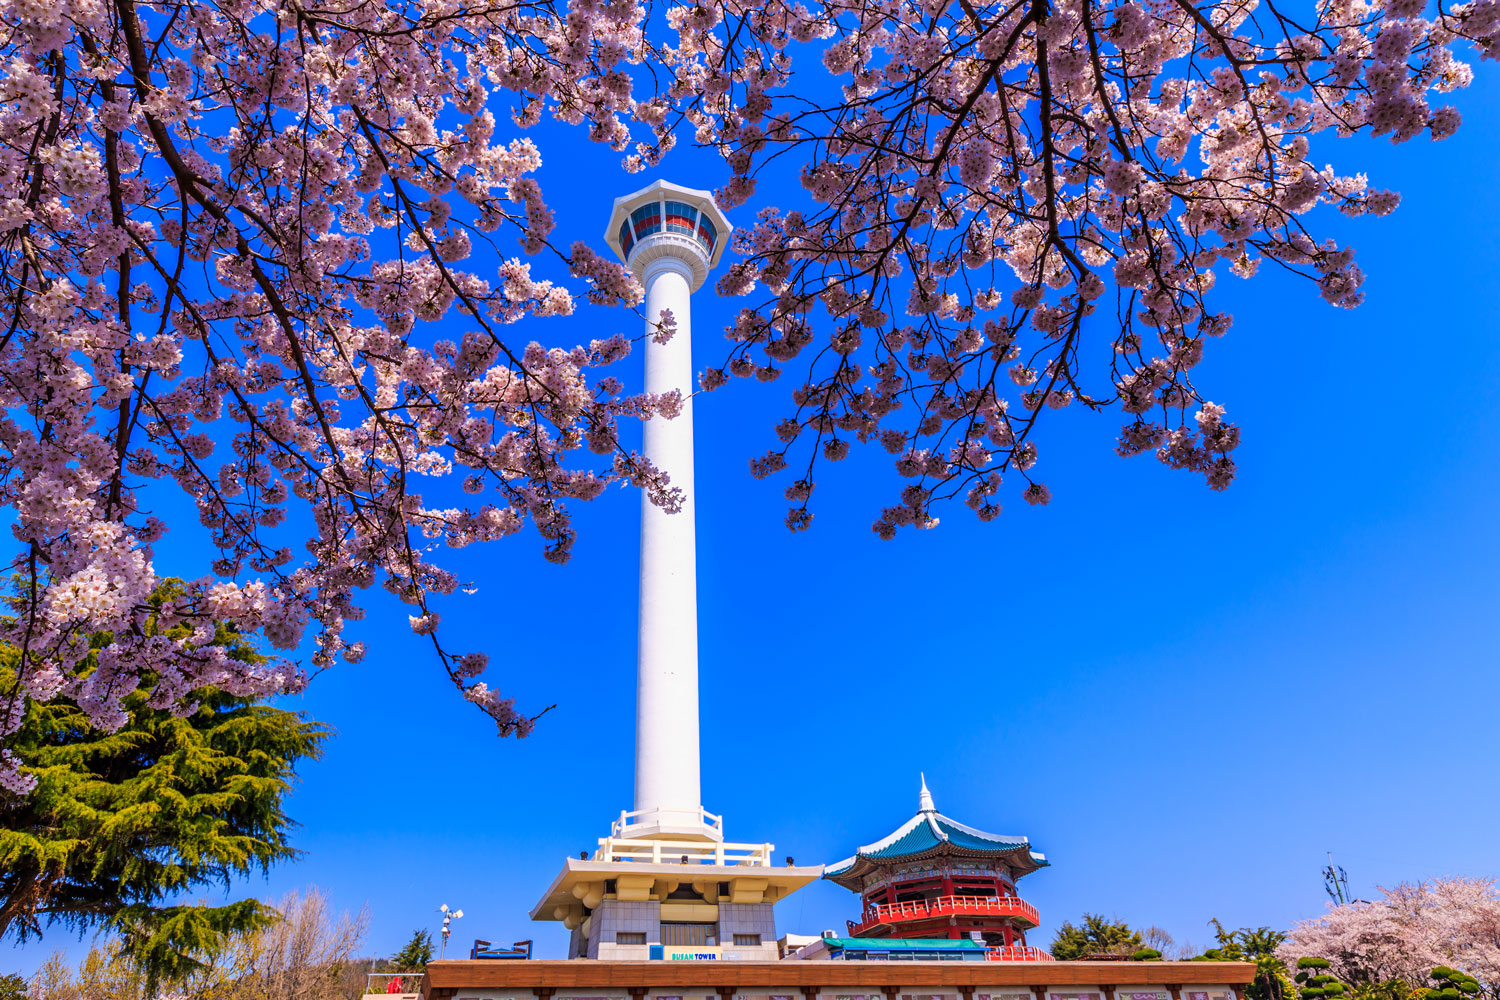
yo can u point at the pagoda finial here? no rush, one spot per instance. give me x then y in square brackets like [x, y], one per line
[924, 803]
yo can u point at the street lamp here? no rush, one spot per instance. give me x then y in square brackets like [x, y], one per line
[448, 917]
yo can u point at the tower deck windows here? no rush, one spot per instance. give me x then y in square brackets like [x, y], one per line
[647, 220]
[665, 220]
[707, 234]
[680, 218]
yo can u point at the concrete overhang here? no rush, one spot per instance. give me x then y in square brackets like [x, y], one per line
[580, 880]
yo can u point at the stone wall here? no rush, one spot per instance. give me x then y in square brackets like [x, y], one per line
[748, 918]
[612, 917]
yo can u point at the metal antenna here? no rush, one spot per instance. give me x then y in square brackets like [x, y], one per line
[1336, 883]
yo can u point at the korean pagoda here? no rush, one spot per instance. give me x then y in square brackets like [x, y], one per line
[936, 880]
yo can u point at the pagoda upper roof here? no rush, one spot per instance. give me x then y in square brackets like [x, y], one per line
[930, 834]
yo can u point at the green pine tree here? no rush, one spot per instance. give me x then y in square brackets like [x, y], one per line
[121, 825]
[1258, 945]
[1096, 936]
[1451, 984]
[1314, 982]
[415, 954]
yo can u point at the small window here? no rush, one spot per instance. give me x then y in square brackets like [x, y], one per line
[630, 937]
[626, 239]
[746, 940]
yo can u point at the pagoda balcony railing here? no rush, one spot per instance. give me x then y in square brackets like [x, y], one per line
[945, 906]
[1017, 953]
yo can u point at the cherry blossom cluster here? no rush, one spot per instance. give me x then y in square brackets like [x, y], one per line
[987, 175]
[249, 252]
[270, 253]
[1406, 933]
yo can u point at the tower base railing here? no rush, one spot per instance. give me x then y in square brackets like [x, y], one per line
[685, 852]
[620, 828]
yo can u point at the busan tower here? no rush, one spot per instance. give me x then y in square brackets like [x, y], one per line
[665, 884]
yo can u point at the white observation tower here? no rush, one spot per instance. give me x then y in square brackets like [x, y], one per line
[671, 237]
[664, 884]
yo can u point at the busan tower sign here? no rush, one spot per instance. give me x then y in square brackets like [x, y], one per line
[664, 883]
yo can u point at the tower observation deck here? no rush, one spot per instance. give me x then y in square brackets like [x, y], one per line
[664, 883]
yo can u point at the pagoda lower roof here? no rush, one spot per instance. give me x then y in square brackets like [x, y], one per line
[903, 944]
[930, 834]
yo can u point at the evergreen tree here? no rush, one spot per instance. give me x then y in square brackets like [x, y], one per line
[1258, 945]
[13, 987]
[1315, 983]
[120, 824]
[1451, 984]
[1096, 936]
[415, 954]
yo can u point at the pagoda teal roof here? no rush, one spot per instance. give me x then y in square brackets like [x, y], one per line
[929, 833]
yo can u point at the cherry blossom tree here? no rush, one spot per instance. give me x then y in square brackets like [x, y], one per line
[232, 232]
[1412, 929]
[272, 254]
[988, 175]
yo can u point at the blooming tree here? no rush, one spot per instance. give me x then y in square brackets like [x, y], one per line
[1411, 930]
[230, 231]
[989, 174]
[261, 251]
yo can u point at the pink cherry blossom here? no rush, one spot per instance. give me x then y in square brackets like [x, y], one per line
[1039, 157]
[1409, 931]
[280, 259]
[239, 244]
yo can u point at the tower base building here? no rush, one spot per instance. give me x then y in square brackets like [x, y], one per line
[672, 900]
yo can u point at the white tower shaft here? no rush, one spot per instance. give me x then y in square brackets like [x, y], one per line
[667, 789]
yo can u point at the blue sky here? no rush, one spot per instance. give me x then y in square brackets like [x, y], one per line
[1184, 698]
